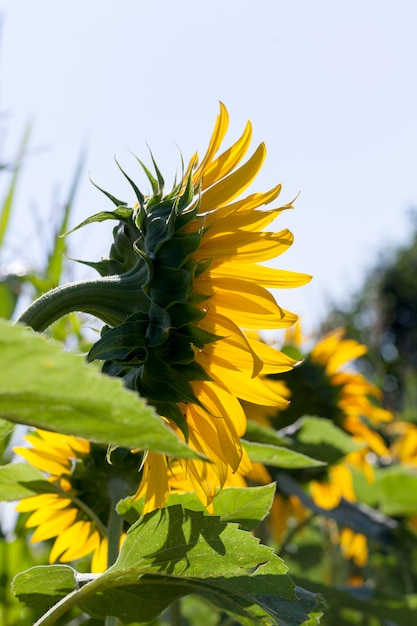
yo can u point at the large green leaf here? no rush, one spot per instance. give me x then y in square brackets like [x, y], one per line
[398, 490]
[174, 552]
[5, 428]
[43, 386]
[265, 434]
[277, 456]
[319, 438]
[247, 506]
[366, 604]
[19, 480]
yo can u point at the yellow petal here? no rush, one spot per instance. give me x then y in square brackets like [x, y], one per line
[219, 132]
[43, 501]
[234, 184]
[68, 540]
[58, 518]
[233, 346]
[99, 560]
[253, 308]
[274, 361]
[154, 483]
[68, 444]
[245, 246]
[80, 547]
[47, 462]
[227, 161]
[218, 402]
[269, 277]
[249, 203]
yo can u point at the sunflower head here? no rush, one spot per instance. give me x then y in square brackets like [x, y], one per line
[176, 254]
[182, 295]
[75, 510]
[327, 383]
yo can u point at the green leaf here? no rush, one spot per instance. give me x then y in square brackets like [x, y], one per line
[398, 491]
[174, 552]
[8, 201]
[319, 438]
[43, 386]
[56, 257]
[122, 213]
[277, 456]
[9, 294]
[43, 585]
[19, 480]
[196, 553]
[265, 434]
[5, 428]
[246, 506]
[371, 605]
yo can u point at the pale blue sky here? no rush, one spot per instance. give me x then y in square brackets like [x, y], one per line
[329, 86]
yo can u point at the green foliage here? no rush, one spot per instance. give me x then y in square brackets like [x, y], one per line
[185, 552]
[37, 389]
[19, 480]
[397, 490]
[246, 507]
[320, 439]
[349, 606]
[277, 456]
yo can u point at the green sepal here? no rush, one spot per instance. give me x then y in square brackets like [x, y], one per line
[201, 267]
[159, 381]
[158, 227]
[200, 337]
[109, 195]
[170, 286]
[176, 252]
[159, 325]
[178, 350]
[183, 314]
[123, 343]
[122, 213]
[187, 197]
[157, 183]
[171, 411]
[139, 195]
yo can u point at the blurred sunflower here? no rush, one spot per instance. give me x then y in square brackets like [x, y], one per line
[325, 384]
[75, 511]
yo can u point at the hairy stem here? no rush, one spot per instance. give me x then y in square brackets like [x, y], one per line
[110, 298]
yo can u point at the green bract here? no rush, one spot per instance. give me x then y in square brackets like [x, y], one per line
[145, 296]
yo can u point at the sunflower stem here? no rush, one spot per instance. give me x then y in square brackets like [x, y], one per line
[117, 489]
[175, 613]
[114, 530]
[110, 298]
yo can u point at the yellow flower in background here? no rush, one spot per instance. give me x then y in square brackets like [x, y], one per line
[339, 484]
[64, 515]
[354, 546]
[404, 446]
[358, 397]
[233, 294]
[327, 385]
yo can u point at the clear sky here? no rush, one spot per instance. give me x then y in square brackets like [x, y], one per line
[329, 86]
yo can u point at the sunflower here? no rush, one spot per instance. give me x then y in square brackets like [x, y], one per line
[327, 385]
[75, 509]
[181, 294]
